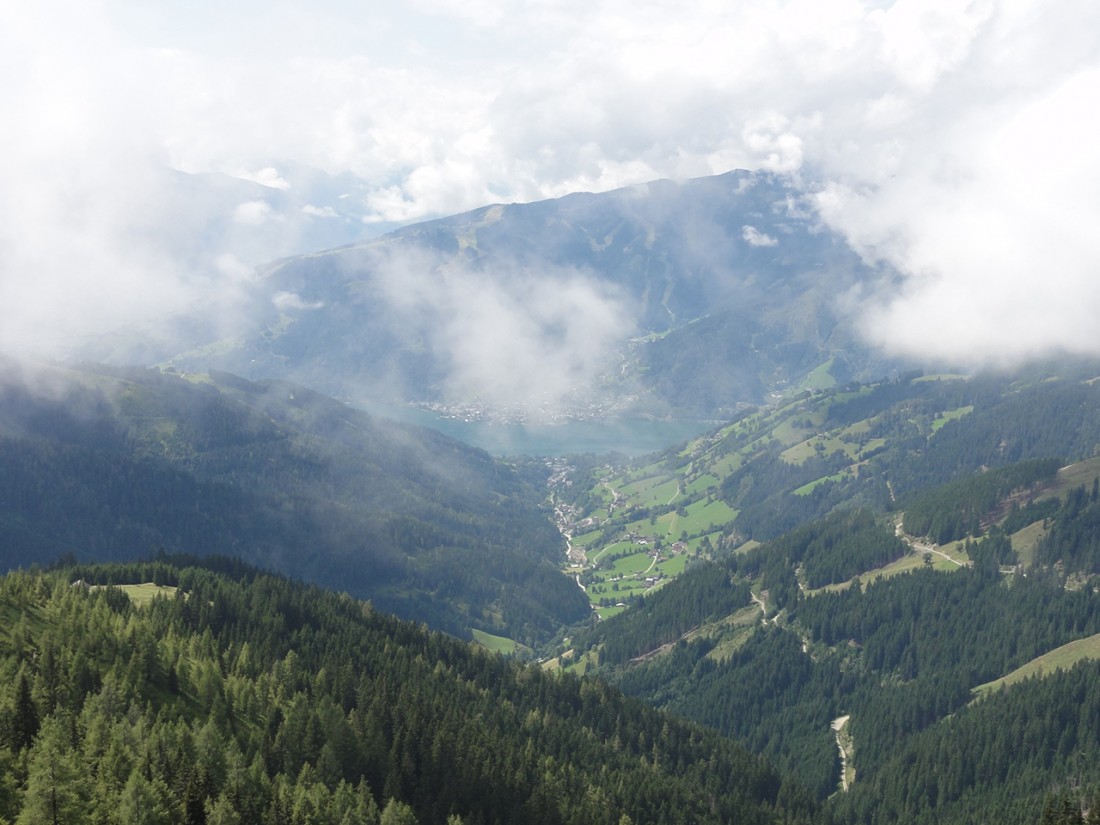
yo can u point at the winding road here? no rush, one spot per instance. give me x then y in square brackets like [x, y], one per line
[838, 725]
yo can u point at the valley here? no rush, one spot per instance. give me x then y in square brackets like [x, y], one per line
[704, 642]
[859, 592]
[550, 413]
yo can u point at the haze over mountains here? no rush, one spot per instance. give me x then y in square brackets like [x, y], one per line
[686, 299]
[117, 464]
[876, 569]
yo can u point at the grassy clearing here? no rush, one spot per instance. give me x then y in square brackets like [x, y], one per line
[915, 561]
[951, 415]
[787, 432]
[1061, 658]
[654, 495]
[497, 644]
[571, 664]
[819, 445]
[806, 489]
[727, 464]
[610, 550]
[702, 484]
[820, 378]
[1076, 475]
[732, 631]
[143, 594]
[585, 539]
[605, 613]
[910, 561]
[940, 376]
[1026, 541]
[673, 566]
[702, 516]
[631, 565]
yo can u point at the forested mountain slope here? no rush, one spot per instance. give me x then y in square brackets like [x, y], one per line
[233, 696]
[113, 464]
[687, 298]
[869, 628]
[882, 446]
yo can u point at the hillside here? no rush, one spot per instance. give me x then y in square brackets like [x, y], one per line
[112, 464]
[236, 696]
[848, 634]
[885, 446]
[689, 299]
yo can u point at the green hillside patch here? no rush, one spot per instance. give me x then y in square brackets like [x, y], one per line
[820, 446]
[142, 594]
[585, 539]
[699, 517]
[611, 550]
[819, 378]
[652, 492]
[806, 489]
[632, 565]
[1061, 658]
[672, 566]
[1076, 475]
[497, 644]
[950, 415]
[732, 632]
[605, 613]
[1026, 541]
[953, 558]
[701, 484]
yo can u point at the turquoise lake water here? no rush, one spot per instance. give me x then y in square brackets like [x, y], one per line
[631, 437]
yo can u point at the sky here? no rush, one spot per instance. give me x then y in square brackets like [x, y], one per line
[954, 141]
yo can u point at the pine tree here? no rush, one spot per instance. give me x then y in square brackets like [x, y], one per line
[25, 720]
[147, 802]
[398, 813]
[58, 787]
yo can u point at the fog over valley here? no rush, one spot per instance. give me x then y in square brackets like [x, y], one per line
[155, 158]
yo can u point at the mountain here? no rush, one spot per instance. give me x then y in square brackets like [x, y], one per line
[188, 691]
[881, 445]
[687, 299]
[112, 464]
[888, 589]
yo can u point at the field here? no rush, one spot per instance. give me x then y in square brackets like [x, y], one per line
[1025, 542]
[950, 415]
[143, 594]
[497, 644]
[1076, 475]
[1061, 658]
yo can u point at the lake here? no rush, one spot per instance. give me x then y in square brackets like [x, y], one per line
[631, 437]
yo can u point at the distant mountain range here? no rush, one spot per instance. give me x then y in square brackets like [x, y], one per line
[687, 299]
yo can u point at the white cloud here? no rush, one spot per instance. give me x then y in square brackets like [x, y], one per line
[946, 138]
[268, 176]
[253, 213]
[512, 338]
[290, 300]
[233, 267]
[319, 211]
[985, 208]
[754, 237]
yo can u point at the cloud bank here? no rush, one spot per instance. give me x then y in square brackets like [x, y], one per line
[949, 140]
[513, 339]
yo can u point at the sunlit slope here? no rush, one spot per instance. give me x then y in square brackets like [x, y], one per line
[850, 618]
[635, 526]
